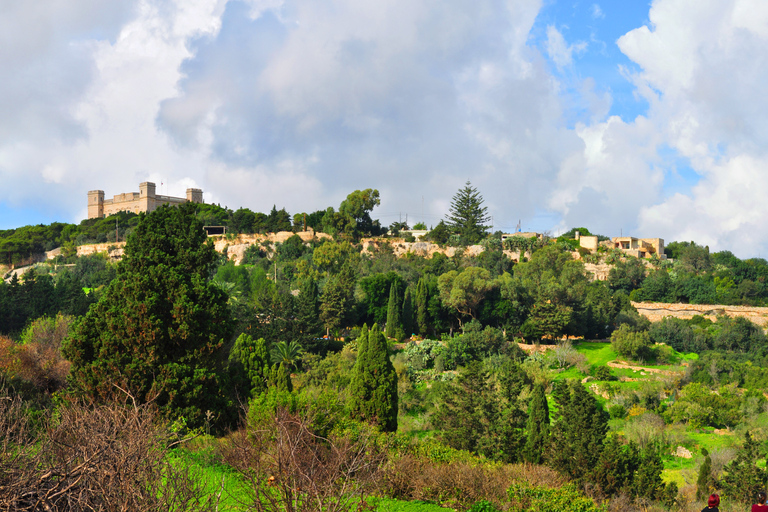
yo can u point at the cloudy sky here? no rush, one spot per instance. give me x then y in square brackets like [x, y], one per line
[633, 117]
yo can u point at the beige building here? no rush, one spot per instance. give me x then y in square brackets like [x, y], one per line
[639, 247]
[146, 200]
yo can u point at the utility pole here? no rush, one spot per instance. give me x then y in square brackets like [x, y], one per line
[117, 236]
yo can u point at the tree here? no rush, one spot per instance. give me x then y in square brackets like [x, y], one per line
[468, 217]
[356, 209]
[373, 388]
[633, 345]
[249, 365]
[408, 317]
[704, 481]
[537, 427]
[578, 432]
[742, 478]
[422, 306]
[394, 322]
[465, 290]
[308, 316]
[337, 298]
[158, 329]
[482, 414]
[286, 353]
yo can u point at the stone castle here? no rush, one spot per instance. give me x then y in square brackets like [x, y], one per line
[146, 200]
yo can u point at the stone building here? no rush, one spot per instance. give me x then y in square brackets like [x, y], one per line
[639, 247]
[146, 200]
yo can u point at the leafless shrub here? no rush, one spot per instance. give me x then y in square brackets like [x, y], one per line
[288, 467]
[104, 458]
[645, 429]
[9, 360]
[40, 360]
[459, 484]
[721, 457]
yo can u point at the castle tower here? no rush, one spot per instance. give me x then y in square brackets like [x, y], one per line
[147, 197]
[95, 204]
[194, 195]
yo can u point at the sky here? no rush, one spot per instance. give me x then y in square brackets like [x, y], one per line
[627, 117]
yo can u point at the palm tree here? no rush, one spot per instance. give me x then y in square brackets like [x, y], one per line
[287, 353]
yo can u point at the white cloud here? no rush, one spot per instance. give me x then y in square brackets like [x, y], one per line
[704, 66]
[597, 12]
[559, 50]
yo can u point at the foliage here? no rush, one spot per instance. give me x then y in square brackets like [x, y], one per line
[394, 314]
[377, 287]
[158, 329]
[290, 464]
[633, 345]
[742, 478]
[465, 290]
[483, 413]
[551, 499]
[474, 344]
[578, 430]
[537, 428]
[248, 365]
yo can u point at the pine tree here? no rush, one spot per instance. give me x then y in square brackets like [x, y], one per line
[408, 317]
[394, 323]
[468, 217]
[537, 427]
[374, 382]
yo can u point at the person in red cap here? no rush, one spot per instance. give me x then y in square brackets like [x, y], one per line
[712, 504]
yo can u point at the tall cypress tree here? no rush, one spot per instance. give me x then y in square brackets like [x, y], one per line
[537, 427]
[374, 385]
[308, 316]
[408, 317]
[357, 385]
[394, 322]
[422, 306]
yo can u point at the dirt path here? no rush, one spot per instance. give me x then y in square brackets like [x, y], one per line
[627, 366]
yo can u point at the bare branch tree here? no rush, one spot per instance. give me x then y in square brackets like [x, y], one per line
[290, 468]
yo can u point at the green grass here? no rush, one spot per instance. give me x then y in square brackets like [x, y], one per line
[597, 354]
[390, 505]
[215, 478]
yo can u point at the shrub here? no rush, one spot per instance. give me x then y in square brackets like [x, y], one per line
[40, 360]
[551, 499]
[110, 457]
[286, 465]
[631, 344]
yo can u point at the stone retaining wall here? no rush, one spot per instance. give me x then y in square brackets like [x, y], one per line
[655, 311]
